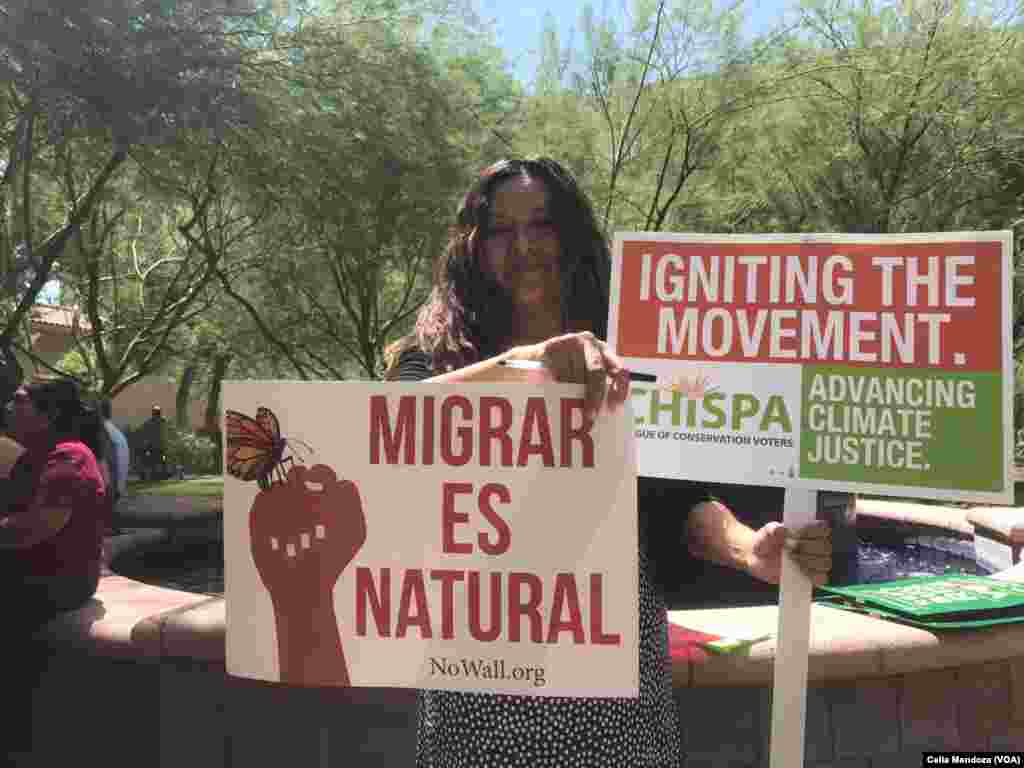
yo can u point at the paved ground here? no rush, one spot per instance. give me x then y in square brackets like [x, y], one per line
[146, 511]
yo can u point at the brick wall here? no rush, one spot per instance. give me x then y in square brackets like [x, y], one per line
[135, 404]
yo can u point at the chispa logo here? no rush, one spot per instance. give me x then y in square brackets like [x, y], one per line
[693, 402]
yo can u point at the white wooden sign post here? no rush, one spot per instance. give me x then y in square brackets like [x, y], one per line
[789, 687]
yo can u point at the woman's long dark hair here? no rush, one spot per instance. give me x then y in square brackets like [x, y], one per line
[469, 316]
[72, 419]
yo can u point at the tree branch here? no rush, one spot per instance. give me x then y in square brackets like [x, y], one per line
[283, 348]
[54, 245]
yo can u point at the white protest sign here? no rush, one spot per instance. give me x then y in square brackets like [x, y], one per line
[863, 363]
[470, 537]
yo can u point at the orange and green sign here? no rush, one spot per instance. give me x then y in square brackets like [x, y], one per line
[849, 362]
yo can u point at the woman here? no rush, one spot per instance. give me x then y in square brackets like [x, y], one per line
[54, 514]
[525, 277]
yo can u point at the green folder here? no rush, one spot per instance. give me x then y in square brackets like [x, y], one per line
[934, 602]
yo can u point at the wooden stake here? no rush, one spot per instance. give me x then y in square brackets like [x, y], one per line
[789, 691]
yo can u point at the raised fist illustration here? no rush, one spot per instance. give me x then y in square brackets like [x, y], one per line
[306, 531]
[303, 534]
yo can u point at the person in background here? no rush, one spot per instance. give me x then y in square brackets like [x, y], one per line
[118, 462]
[10, 378]
[52, 518]
[525, 278]
[153, 442]
[10, 450]
[120, 458]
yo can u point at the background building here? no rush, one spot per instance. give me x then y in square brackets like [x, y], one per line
[53, 329]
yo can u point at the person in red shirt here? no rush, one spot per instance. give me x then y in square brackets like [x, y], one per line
[56, 508]
[53, 513]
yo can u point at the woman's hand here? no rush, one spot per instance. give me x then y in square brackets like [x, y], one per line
[581, 358]
[713, 533]
[809, 546]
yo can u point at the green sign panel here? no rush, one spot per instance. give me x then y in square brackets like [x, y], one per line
[903, 427]
[937, 602]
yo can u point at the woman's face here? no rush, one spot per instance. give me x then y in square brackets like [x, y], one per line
[522, 249]
[26, 420]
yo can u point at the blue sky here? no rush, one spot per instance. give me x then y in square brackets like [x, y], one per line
[517, 25]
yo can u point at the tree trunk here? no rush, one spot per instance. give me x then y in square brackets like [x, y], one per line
[211, 421]
[182, 398]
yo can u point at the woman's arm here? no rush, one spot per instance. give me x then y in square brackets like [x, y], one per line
[713, 533]
[579, 358]
[491, 369]
[65, 481]
[10, 453]
[36, 524]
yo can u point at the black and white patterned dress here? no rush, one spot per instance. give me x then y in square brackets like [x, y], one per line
[478, 730]
[466, 730]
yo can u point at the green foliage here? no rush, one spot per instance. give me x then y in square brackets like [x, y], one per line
[898, 120]
[199, 454]
[83, 85]
[133, 71]
[196, 453]
[866, 117]
[205, 487]
[361, 142]
[300, 241]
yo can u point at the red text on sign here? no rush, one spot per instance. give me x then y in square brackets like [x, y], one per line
[454, 430]
[511, 598]
[450, 517]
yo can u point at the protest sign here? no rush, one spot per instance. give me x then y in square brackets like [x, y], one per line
[936, 602]
[474, 538]
[867, 363]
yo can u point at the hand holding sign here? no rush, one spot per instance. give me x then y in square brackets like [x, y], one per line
[810, 546]
[304, 532]
[582, 358]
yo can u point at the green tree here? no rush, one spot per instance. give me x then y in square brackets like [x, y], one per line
[465, 56]
[905, 120]
[84, 85]
[360, 171]
[651, 105]
[137, 269]
[554, 61]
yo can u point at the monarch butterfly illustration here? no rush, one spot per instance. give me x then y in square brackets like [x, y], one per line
[255, 448]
